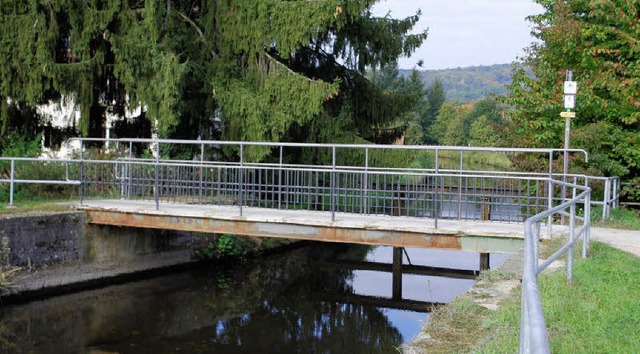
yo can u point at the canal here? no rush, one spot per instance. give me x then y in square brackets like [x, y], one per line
[314, 298]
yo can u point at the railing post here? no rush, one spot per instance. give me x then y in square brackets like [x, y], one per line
[572, 230]
[13, 171]
[607, 196]
[157, 170]
[130, 190]
[587, 225]
[550, 197]
[240, 186]
[280, 179]
[365, 202]
[435, 196]
[81, 171]
[460, 185]
[333, 184]
[201, 171]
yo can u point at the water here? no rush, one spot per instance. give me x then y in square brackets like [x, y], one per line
[301, 301]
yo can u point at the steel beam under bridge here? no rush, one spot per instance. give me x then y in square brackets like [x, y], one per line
[396, 231]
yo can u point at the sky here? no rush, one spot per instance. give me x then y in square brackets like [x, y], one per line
[465, 32]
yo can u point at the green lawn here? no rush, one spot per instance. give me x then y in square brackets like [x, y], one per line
[598, 313]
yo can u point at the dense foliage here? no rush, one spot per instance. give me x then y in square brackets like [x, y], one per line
[472, 83]
[481, 123]
[265, 70]
[600, 41]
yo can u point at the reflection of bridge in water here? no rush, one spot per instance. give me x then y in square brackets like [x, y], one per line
[397, 269]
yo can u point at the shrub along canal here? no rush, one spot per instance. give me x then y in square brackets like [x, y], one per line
[311, 298]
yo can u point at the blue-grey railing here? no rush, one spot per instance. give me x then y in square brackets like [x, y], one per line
[446, 189]
[533, 332]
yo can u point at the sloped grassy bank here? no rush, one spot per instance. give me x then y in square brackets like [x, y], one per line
[598, 313]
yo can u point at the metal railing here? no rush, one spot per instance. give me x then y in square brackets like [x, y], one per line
[51, 172]
[445, 189]
[533, 333]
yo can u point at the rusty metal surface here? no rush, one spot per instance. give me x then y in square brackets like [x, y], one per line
[320, 231]
[280, 230]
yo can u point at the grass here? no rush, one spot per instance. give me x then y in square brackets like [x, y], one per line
[455, 328]
[620, 218]
[475, 160]
[34, 206]
[598, 313]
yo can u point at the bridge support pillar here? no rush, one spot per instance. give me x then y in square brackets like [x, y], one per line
[484, 261]
[397, 273]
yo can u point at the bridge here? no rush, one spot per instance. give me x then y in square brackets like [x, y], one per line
[361, 193]
[370, 194]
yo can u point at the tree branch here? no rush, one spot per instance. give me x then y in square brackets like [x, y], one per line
[200, 33]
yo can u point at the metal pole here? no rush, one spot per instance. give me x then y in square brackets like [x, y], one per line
[550, 200]
[435, 196]
[130, 191]
[81, 172]
[460, 186]
[366, 181]
[567, 130]
[607, 197]
[201, 171]
[572, 224]
[280, 180]
[157, 185]
[13, 171]
[240, 201]
[333, 184]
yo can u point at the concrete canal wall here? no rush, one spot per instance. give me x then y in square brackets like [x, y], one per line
[61, 250]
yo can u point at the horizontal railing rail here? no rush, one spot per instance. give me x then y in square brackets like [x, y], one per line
[533, 332]
[455, 193]
[349, 189]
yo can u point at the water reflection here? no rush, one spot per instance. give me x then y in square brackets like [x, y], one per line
[298, 302]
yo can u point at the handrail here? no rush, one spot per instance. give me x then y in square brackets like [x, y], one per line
[533, 333]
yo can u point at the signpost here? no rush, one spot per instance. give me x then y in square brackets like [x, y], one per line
[570, 91]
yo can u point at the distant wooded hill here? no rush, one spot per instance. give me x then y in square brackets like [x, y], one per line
[471, 83]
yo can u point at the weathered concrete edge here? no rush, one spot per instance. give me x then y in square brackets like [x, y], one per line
[70, 269]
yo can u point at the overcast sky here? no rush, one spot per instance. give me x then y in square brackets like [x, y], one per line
[466, 32]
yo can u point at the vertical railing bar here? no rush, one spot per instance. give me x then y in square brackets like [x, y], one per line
[333, 166]
[550, 196]
[460, 185]
[240, 179]
[157, 189]
[11, 185]
[435, 196]
[572, 224]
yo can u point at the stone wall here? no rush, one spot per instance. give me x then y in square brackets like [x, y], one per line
[62, 251]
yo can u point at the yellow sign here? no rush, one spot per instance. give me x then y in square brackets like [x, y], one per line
[568, 114]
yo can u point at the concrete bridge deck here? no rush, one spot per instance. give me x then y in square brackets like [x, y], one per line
[397, 231]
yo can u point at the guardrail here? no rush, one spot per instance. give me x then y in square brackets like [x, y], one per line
[64, 178]
[533, 332]
[443, 190]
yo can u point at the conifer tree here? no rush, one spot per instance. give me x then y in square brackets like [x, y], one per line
[259, 70]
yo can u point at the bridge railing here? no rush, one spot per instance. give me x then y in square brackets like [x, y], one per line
[533, 332]
[441, 190]
[58, 174]
[415, 193]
